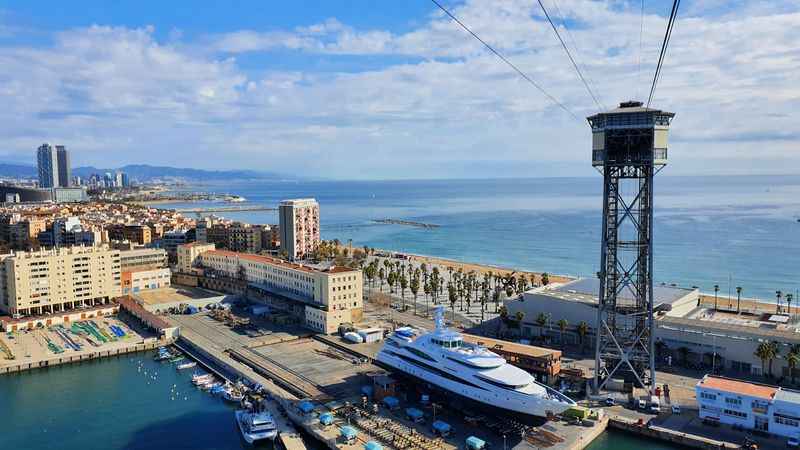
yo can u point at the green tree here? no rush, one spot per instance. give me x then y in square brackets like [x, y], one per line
[541, 320]
[452, 297]
[545, 279]
[562, 326]
[403, 286]
[793, 359]
[766, 352]
[583, 330]
[382, 276]
[414, 290]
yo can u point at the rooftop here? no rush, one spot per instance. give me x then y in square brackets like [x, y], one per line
[739, 387]
[511, 347]
[587, 290]
[788, 395]
[278, 262]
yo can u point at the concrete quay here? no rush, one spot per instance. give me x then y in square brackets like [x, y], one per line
[80, 357]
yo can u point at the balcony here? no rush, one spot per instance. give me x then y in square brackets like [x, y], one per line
[659, 156]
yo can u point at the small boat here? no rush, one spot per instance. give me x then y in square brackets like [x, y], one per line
[186, 365]
[256, 426]
[233, 395]
[161, 356]
[210, 385]
[202, 379]
[218, 389]
[178, 358]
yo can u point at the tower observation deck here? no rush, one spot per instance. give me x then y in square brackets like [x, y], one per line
[629, 146]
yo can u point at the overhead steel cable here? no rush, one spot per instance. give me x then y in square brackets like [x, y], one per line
[503, 58]
[577, 51]
[667, 35]
[566, 49]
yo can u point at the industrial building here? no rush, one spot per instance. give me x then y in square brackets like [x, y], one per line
[687, 333]
[576, 302]
[299, 227]
[57, 280]
[752, 406]
[323, 297]
[542, 363]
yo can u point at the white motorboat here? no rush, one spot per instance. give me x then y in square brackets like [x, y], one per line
[256, 426]
[441, 358]
[186, 365]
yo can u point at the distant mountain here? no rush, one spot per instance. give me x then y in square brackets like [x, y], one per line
[17, 170]
[144, 172]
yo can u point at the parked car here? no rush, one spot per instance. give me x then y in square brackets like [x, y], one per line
[610, 401]
[676, 409]
[793, 442]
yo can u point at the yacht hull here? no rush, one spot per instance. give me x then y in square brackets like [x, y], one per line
[527, 408]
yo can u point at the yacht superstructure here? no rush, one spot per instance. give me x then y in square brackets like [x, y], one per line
[443, 359]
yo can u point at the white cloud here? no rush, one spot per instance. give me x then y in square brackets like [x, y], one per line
[118, 95]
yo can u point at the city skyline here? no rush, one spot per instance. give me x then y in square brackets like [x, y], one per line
[391, 91]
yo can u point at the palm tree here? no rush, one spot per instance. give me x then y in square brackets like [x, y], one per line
[766, 352]
[427, 287]
[789, 303]
[519, 316]
[414, 291]
[562, 326]
[583, 330]
[452, 297]
[793, 359]
[382, 276]
[403, 285]
[778, 294]
[738, 298]
[541, 320]
[716, 290]
[545, 279]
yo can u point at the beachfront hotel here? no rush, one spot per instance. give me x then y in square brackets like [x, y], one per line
[324, 297]
[58, 280]
[299, 227]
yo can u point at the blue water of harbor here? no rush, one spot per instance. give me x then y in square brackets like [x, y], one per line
[725, 230]
[120, 403]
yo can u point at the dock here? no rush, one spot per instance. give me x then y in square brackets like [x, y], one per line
[24, 365]
[223, 209]
[409, 223]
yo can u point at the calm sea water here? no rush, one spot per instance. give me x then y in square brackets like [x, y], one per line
[731, 231]
[111, 404]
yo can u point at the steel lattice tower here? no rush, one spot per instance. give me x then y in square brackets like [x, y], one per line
[629, 146]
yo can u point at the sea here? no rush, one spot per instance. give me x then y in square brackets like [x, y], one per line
[731, 231]
[713, 230]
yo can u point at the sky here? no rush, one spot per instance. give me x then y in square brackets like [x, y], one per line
[365, 89]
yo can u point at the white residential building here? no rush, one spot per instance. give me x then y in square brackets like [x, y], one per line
[299, 227]
[753, 406]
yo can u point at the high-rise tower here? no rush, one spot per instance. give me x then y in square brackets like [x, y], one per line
[47, 164]
[64, 169]
[629, 146]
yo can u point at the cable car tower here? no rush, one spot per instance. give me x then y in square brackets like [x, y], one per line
[629, 146]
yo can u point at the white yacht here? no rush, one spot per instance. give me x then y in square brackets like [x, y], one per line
[443, 359]
[256, 426]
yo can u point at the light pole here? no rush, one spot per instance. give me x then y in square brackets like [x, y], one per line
[738, 298]
[716, 291]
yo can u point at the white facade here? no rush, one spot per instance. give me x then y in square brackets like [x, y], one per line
[299, 227]
[750, 405]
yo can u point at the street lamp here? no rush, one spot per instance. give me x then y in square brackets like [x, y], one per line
[738, 298]
[716, 290]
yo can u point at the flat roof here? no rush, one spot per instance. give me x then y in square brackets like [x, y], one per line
[511, 347]
[279, 262]
[591, 287]
[738, 387]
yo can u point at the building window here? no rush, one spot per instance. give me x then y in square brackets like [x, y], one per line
[708, 396]
[733, 401]
[732, 413]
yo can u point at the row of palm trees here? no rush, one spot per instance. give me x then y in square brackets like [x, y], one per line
[767, 352]
[778, 294]
[458, 287]
[542, 319]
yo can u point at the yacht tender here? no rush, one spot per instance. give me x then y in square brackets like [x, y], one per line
[443, 359]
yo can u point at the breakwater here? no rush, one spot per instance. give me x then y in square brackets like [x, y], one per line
[409, 223]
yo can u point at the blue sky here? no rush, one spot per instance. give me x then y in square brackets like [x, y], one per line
[366, 89]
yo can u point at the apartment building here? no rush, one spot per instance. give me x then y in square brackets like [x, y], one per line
[299, 227]
[66, 232]
[236, 236]
[142, 259]
[52, 281]
[753, 406]
[188, 254]
[140, 234]
[20, 233]
[329, 296]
